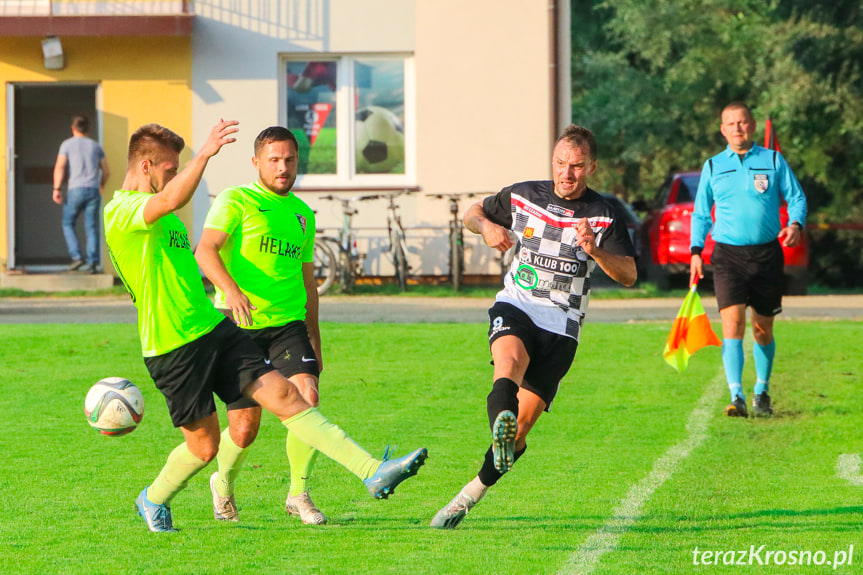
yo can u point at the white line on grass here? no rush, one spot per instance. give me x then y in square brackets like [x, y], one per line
[848, 468]
[624, 516]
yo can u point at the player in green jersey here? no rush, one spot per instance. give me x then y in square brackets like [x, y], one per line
[257, 250]
[190, 349]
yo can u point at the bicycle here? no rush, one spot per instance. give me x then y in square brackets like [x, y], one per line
[346, 266]
[396, 234]
[456, 237]
[326, 265]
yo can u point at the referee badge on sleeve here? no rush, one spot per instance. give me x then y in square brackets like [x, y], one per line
[761, 183]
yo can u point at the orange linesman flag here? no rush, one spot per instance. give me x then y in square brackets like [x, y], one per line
[691, 331]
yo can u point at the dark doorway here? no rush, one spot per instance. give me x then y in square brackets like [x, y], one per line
[43, 116]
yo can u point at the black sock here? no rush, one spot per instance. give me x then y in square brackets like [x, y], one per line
[503, 396]
[487, 473]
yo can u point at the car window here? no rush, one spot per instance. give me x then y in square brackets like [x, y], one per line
[687, 188]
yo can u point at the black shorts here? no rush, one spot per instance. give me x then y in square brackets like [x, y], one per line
[551, 354]
[289, 349]
[749, 275]
[223, 362]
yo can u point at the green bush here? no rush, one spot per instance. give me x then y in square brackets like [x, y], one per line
[836, 258]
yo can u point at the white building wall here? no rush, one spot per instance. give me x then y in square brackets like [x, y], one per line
[483, 90]
[237, 48]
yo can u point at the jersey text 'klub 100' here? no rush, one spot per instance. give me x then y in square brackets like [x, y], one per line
[549, 278]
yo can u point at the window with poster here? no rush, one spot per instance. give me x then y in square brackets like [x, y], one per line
[351, 116]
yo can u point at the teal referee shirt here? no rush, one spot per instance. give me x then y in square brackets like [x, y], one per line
[746, 194]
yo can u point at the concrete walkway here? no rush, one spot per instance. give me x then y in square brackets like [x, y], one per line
[370, 309]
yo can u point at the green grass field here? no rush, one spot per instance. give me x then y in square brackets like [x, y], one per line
[632, 470]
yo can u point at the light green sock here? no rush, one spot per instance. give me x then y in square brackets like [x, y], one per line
[314, 429]
[181, 466]
[301, 456]
[230, 458]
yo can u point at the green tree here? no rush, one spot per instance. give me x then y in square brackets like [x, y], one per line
[651, 76]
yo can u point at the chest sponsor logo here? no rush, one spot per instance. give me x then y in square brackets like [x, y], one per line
[528, 233]
[279, 247]
[302, 219]
[526, 277]
[761, 183]
[178, 239]
[559, 210]
[547, 263]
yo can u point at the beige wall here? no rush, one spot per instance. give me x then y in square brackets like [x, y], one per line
[483, 93]
[237, 70]
[484, 103]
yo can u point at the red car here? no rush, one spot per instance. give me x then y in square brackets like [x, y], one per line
[665, 237]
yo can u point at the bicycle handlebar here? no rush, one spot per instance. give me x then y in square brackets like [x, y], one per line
[456, 196]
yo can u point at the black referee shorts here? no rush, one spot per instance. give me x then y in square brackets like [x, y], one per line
[223, 362]
[749, 275]
[551, 354]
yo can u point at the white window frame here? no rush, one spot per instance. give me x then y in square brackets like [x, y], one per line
[346, 177]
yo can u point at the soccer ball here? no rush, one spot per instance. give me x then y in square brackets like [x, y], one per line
[380, 138]
[114, 406]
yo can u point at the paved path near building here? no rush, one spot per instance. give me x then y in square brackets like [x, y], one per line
[370, 309]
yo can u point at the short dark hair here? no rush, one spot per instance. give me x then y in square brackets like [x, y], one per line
[274, 134]
[81, 124]
[578, 136]
[738, 105]
[150, 141]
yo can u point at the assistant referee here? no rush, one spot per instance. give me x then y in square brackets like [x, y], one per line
[745, 184]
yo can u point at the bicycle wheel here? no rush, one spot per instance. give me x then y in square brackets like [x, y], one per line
[326, 266]
[400, 261]
[456, 258]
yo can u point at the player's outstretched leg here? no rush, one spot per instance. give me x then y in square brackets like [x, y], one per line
[503, 433]
[158, 517]
[391, 472]
[279, 396]
[380, 477]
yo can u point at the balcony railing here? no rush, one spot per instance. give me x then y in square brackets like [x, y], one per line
[10, 8]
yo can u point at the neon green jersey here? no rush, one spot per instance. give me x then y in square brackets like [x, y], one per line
[156, 264]
[269, 238]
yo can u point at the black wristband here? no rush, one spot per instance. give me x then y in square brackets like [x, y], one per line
[798, 225]
[695, 250]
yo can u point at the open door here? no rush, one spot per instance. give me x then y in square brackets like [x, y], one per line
[40, 120]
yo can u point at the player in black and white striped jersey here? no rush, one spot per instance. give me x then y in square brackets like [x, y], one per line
[562, 230]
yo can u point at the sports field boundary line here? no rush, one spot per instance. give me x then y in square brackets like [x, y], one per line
[623, 517]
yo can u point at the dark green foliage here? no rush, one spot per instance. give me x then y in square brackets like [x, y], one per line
[651, 77]
[654, 79]
[838, 259]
